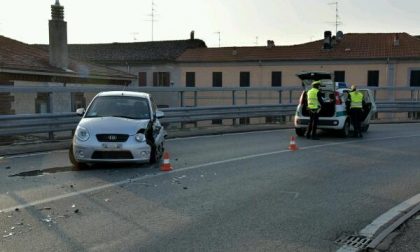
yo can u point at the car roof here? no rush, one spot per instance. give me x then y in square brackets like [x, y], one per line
[124, 93]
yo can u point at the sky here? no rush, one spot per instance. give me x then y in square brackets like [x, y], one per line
[238, 22]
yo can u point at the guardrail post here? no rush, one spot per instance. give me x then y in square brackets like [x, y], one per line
[195, 99]
[181, 98]
[290, 96]
[246, 97]
[233, 97]
[50, 108]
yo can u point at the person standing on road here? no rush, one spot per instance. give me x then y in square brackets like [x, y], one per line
[355, 104]
[314, 106]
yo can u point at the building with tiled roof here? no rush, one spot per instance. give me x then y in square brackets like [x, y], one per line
[153, 62]
[372, 59]
[28, 66]
[20, 61]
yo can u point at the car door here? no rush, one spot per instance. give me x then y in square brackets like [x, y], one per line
[370, 107]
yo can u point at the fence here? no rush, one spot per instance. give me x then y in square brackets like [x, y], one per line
[50, 123]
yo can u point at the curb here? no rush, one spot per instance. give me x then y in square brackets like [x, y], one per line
[382, 226]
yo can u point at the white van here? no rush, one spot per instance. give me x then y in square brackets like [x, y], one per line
[333, 115]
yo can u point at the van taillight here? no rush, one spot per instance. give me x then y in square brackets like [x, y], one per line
[337, 98]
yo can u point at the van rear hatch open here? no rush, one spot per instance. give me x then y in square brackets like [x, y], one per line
[327, 88]
[308, 77]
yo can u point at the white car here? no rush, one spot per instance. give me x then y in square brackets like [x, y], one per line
[333, 115]
[118, 126]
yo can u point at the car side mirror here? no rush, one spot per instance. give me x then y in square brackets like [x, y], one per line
[80, 111]
[159, 114]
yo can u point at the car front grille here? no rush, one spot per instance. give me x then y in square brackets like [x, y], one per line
[112, 155]
[112, 137]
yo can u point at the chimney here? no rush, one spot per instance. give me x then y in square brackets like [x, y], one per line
[396, 39]
[192, 35]
[58, 37]
[270, 43]
[327, 40]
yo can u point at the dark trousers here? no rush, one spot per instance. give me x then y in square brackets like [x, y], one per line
[356, 115]
[313, 122]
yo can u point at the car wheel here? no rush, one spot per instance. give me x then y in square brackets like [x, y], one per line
[365, 128]
[345, 131]
[74, 162]
[300, 131]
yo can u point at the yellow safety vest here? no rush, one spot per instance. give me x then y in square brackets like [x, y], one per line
[313, 102]
[356, 99]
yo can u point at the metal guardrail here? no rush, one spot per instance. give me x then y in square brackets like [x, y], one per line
[49, 123]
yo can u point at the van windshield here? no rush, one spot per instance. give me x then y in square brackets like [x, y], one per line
[119, 106]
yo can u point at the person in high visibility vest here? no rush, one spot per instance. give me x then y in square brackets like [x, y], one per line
[315, 102]
[355, 103]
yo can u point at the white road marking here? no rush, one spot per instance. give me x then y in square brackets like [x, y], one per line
[127, 181]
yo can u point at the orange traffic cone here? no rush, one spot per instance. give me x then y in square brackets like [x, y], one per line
[292, 145]
[166, 165]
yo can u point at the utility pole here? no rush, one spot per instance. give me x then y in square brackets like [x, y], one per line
[337, 17]
[256, 41]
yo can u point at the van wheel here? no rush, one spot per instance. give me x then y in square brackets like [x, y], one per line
[365, 128]
[345, 131]
[77, 165]
[300, 131]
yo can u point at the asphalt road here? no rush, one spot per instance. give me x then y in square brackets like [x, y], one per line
[236, 192]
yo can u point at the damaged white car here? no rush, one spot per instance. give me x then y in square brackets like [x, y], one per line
[118, 126]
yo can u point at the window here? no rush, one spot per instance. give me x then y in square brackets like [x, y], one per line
[244, 79]
[216, 121]
[161, 79]
[339, 76]
[190, 79]
[276, 79]
[415, 78]
[373, 78]
[142, 79]
[217, 79]
[42, 103]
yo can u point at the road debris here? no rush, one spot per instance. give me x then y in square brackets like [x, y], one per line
[7, 167]
[185, 188]
[7, 235]
[17, 209]
[48, 219]
[12, 228]
[45, 208]
[76, 211]
[106, 200]
[73, 206]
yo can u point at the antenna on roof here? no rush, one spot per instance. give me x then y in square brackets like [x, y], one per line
[337, 17]
[218, 32]
[134, 34]
[153, 20]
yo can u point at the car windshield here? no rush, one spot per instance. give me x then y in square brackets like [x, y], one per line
[119, 106]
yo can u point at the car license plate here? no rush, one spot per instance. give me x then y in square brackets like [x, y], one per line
[112, 146]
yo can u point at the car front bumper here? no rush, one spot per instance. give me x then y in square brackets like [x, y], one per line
[114, 152]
